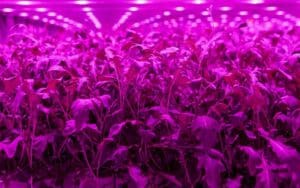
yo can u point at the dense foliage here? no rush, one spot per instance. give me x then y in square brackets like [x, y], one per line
[161, 107]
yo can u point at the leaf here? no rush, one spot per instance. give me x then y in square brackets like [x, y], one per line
[295, 120]
[120, 155]
[137, 176]
[213, 170]
[171, 178]
[206, 130]
[10, 84]
[234, 183]
[282, 151]
[10, 147]
[265, 179]
[39, 144]
[106, 100]
[18, 100]
[115, 130]
[253, 158]
[290, 101]
[81, 110]
[71, 128]
[107, 149]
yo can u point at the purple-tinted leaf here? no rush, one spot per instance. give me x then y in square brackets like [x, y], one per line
[206, 130]
[138, 177]
[265, 179]
[234, 183]
[40, 143]
[282, 151]
[213, 169]
[71, 128]
[10, 147]
[253, 158]
[116, 130]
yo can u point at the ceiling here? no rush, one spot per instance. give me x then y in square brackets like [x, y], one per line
[111, 15]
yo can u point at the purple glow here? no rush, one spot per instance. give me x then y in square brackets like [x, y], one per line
[87, 9]
[94, 20]
[36, 17]
[179, 9]
[199, 1]
[41, 9]
[133, 9]
[59, 17]
[150, 93]
[23, 14]
[82, 2]
[26, 3]
[167, 13]
[45, 20]
[140, 1]
[51, 14]
[7, 10]
[255, 1]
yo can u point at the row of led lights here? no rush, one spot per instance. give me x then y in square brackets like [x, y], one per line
[89, 13]
[53, 17]
[124, 17]
[86, 2]
[127, 14]
[194, 23]
[223, 16]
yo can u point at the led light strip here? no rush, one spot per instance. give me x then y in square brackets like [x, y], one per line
[94, 20]
[122, 20]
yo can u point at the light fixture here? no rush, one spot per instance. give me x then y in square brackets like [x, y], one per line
[191, 16]
[133, 9]
[23, 14]
[7, 10]
[87, 9]
[256, 1]
[51, 14]
[243, 13]
[41, 9]
[136, 25]
[45, 20]
[24, 3]
[167, 13]
[199, 1]
[256, 16]
[224, 16]
[127, 14]
[65, 25]
[94, 20]
[36, 17]
[140, 1]
[205, 13]
[52, 22]
[82, 2]
[271, 8]
[279, 13]
[179, 9]
[59, 17]
[225, 8]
